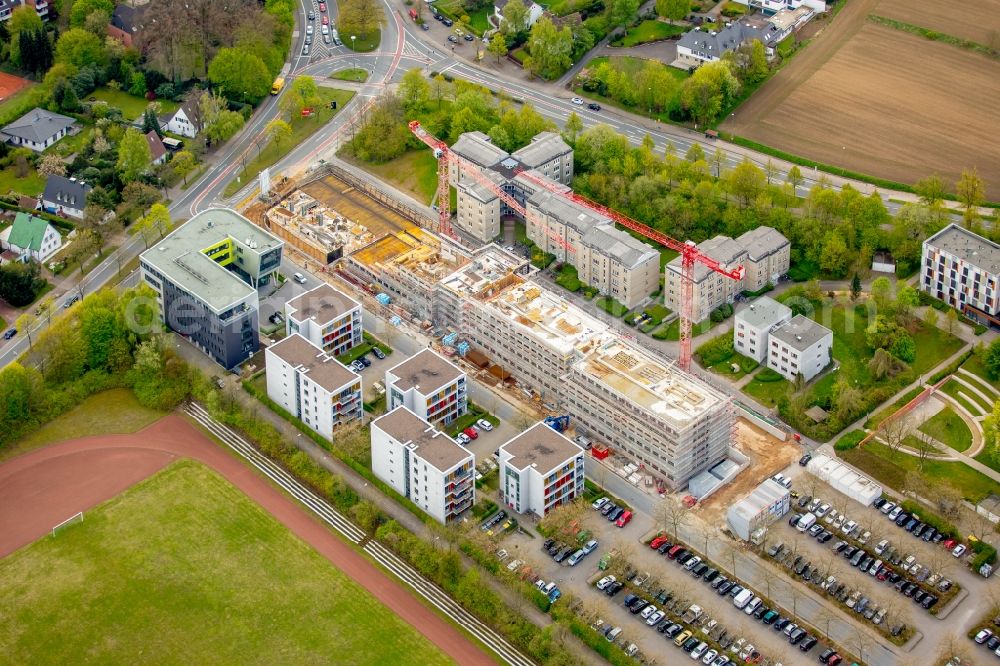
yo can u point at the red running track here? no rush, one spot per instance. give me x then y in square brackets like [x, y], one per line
[44, 487]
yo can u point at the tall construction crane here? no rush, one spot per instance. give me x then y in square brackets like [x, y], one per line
[689, 252]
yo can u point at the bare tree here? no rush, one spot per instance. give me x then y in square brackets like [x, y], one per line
[823, 619]
[862, 641]
[924, 446]
[893, 431]
[953, 645]
[675, 516]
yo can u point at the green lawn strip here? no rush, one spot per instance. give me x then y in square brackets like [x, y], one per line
[948, 428]
[363, 348]
[302, 129]
[413, 172]
[658, 312]
[351, 74]
[649, 31]
[767, 393]
[32, 184]
[131, 106]
[673, 331]
[115, 411]
[152, 571]
[892, 468]
[469, 418]
[974, 364]
[21, 102]
[987, 459]
[567, 278]
[979, 384]
[666, 256]
[951, 388]
[455, 10]
[980, 406]
[3, 323]
[886, 412]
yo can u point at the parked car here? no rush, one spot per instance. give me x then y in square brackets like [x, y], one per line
[959, 550]
[471, 432]
[484, 425]
[379, 354]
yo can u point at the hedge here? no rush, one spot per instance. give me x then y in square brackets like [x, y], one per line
[985, 554]
[951, 369]
[768, 375]
[940, 524]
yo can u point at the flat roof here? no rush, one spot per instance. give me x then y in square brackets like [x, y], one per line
[179, 255]
[426, 371]
[488, 266]
[967, 246]
[541, 448]
[312, 361]
[548, 317]
[322, 304]
[764, 312]
[431, 445]
[801, 332]
[655, 385]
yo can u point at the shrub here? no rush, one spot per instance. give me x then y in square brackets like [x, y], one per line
[716, 350]
[985, 554]
[849, 440]
[938, 523]
[721, 313]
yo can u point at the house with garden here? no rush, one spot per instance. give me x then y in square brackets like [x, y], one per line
[156, 148]
[535, 12]
[697, 47]
[65, 196]
[773, 6]
[37, 129]
[185, 121]
[30, 238]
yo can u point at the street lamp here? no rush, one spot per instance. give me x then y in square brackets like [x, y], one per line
[353, 37]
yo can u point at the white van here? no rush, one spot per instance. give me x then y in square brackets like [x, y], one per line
[743, 598]
[805, 522]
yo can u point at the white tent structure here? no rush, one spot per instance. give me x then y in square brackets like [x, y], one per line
[845, 479]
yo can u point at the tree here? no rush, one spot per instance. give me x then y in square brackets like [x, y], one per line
[931, 190]
[881, 293]
[84, 8]
[883, 364]
[907, 299]
[970, 192]
[621, 12]
[952, 320]
[26, 322]
[134, 156]
[497, 46]
[80, 48]
[183, 164]
[675, 10]
[924, 446]
[24, 24]
[278, 131]
[441, 89]
[515, 17]
[551, 48]
[672, 516]
[794, 177]
[19, 282]
[572, 129]
[855, 287]
[931, 317]
[361, 17]
[51, 165]
[384, 134]
[219, 123]
[706, 92]
[307, 91]
[240, 75]
[695, 153]
[414, 91]
[745, 182]
[158, 218]
[150, 123]
[992, 360]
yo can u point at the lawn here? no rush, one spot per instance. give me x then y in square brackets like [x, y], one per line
[31, 185]
[674, 329]
[952, 388]
[767, 393]
[948, 428]
[72, 144]
[474, 414]
[568, 278]
[413, 172]
[351, 74]
[892, 469]
[454, 10]
[302, 129]
[131, 106]
[980, 384]
[631, 66]
[183, 567]
[974, 364]
[649, 31]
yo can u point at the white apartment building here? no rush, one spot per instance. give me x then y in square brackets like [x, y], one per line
[767, 503]
[754, 323]
[763, 252]
[312, 385]
[963, 270]
[799, 347]
[429, 386]
[326, 317]
[423, 464]
[771, 6]
[540, 469]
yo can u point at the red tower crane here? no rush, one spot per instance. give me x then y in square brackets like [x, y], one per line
[690, 254]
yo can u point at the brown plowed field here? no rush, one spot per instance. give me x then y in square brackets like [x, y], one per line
[885, 103]
[978, 21]
[47, 485]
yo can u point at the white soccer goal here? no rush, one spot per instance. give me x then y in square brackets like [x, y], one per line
[78, 518]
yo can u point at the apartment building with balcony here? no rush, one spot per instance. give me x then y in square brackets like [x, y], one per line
[312, 385]
[962, 269]
[326, 317]
[205, 275]
[429, 386]
[423, 464]
[540, 469]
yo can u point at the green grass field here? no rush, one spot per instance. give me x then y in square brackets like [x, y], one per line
[184, 568]
[31, 185]
[302, 129]
[132, 107]
[110, 412]
[350, 74]
[413, 172]
[948, 428]
[649, 31]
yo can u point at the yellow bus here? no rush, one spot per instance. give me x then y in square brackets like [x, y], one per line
[278, 84]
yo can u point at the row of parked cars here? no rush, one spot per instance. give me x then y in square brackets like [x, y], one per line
[989, 639]
[570, 554]
[618, 515]
[912, 524]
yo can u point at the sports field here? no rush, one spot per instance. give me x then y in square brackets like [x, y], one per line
[183, 568]
[883, 101]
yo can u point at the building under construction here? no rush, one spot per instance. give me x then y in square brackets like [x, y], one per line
[315, 230]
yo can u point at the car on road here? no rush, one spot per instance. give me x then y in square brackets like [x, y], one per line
[10, 333]
[577, 101]
[447, 21]
[300, 278]
[468, 37]
[593, 106]
[312, 15]
[75, 298]
[326, 20]
[322, 6]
